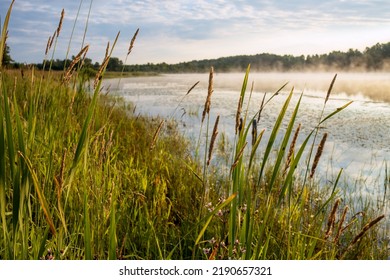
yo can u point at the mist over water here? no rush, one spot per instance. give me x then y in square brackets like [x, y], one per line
[358, 137]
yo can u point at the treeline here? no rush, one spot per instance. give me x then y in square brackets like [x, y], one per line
[375, 58]
[372, 58]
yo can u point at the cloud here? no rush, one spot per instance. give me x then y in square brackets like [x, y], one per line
[191, 29]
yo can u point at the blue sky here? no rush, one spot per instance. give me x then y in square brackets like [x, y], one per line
[184, 30]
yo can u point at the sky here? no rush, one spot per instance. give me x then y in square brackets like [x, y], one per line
[184, 30]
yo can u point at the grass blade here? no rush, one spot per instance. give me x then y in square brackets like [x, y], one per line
[4, 33]
[41, 196]
[212, 214]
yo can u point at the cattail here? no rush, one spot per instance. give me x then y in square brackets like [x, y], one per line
[331, 219]
[340, 228]
[69, 71]
[206, 109]
[132, 42]
[238, 113]
[330, 88]
[60, 23]
[241, 123]
[155, 136]
[239, 155]
[318, 155]
[213, 138]
[254, 131]
[292, 148]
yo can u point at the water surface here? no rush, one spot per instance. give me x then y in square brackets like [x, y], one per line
[358, 137]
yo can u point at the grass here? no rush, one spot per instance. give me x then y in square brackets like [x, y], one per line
[83, 177]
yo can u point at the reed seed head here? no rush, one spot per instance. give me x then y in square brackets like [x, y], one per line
[340, 227]
[155, 136]
[77, 59]
[99, 74]
[213, 138]
[292, 148]
[210, 90]
[358, 237]
[238, 157]
[60, 23]
[132, 42]
[318, 155]
[332, 219]
[330, 88]
[47, 45]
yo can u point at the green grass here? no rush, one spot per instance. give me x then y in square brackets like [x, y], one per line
[82, 177]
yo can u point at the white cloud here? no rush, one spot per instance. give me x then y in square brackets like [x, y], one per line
[175, 31]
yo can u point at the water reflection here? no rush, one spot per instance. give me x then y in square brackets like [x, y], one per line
[358, 138]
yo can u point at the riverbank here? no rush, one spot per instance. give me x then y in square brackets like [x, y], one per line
[110, 183]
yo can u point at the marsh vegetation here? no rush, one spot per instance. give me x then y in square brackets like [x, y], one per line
[84, 175]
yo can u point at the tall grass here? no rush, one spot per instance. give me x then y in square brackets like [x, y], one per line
[83, 177]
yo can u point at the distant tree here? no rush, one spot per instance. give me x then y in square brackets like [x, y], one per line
[7, 60]
[114, 64]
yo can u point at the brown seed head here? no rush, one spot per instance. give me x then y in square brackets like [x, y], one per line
[60, 23]
[318, 155]
[210, 90]
[132, 42]
[213, 138]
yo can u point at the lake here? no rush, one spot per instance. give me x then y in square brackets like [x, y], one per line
[358, 137]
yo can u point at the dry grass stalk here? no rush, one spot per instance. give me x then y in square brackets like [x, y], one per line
[318, 155]
[76, 60]
[191, 88]
[132, 41]
[155, 136]
[210, 90]
[239, 155]
[60, 23]
[291, 150]
[358, 237]
[330, 88]
[365, 229]
[213, 138]
[261, 107]
[331, 219]
[340, 227]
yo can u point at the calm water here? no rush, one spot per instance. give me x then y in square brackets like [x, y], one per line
[358, 137]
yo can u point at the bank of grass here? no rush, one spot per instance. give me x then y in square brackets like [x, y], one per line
[82, 176]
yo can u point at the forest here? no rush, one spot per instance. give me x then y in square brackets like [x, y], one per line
[374, 58]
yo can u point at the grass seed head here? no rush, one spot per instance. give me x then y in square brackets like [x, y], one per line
[318, 155]
[210, 90]
[213, 138]
[132, 42]
[60, 23]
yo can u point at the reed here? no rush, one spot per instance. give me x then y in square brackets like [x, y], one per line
[213, 138]
[207, 105]
[318, 154]
[81, 178]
